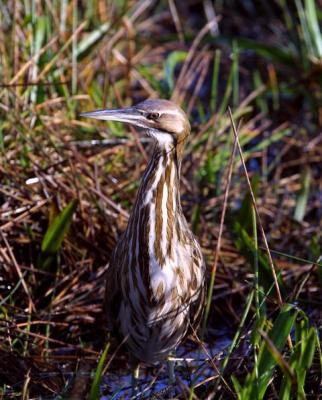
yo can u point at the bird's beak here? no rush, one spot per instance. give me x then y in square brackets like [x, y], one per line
[129, 115]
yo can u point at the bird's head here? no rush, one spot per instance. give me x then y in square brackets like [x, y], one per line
[161, 119]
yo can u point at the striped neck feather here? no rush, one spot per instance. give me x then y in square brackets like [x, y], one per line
[154, 217]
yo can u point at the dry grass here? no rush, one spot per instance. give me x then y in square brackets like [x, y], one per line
[58, 60]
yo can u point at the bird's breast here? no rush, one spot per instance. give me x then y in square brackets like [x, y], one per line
[156, 318]
[162, 269]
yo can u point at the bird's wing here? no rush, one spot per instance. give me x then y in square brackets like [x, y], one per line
[197, 307]
[112, 289]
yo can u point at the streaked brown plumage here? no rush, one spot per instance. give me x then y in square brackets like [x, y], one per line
[155, 280]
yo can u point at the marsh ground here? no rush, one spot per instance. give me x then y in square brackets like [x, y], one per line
[67, 186]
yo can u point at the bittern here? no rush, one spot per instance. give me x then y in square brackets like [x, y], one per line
[155, 280]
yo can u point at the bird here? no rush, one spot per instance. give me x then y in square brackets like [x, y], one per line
[155, 281]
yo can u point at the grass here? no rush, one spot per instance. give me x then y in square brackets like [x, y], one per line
[67, 186]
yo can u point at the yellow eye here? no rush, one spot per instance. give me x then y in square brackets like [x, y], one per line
[153, 116]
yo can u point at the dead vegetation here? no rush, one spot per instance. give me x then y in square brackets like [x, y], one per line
[60, 59]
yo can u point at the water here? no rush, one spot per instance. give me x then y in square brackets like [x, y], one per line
[193, 366]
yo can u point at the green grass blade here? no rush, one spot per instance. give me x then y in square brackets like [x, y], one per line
[278, 335]
[39, 34]
[243, 227]
[95, 388]
[228, 90]
[244, 214]
[273, 53]
[173, 59]
[306, 340]
[313, 26]
[245, 245]
[309, 349]
[56, 231]
[74, 52]
[306, 40]
[235, 71]
[286, 389]
[286, 14]
[318, 263]
[255, 385]
[236, 338]
[92, 39]
[255, 266]
[238, 388]
[215, 76]
[303, 195]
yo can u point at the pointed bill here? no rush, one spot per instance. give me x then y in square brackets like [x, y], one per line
[129, 115]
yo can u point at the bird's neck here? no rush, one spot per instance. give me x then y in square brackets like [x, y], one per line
[163, 168]
[160, 186]
[154, 218]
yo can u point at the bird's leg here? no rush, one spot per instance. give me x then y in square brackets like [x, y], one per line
[135, 371]
[171, 373]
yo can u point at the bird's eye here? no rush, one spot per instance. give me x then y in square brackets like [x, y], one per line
[152, 116]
